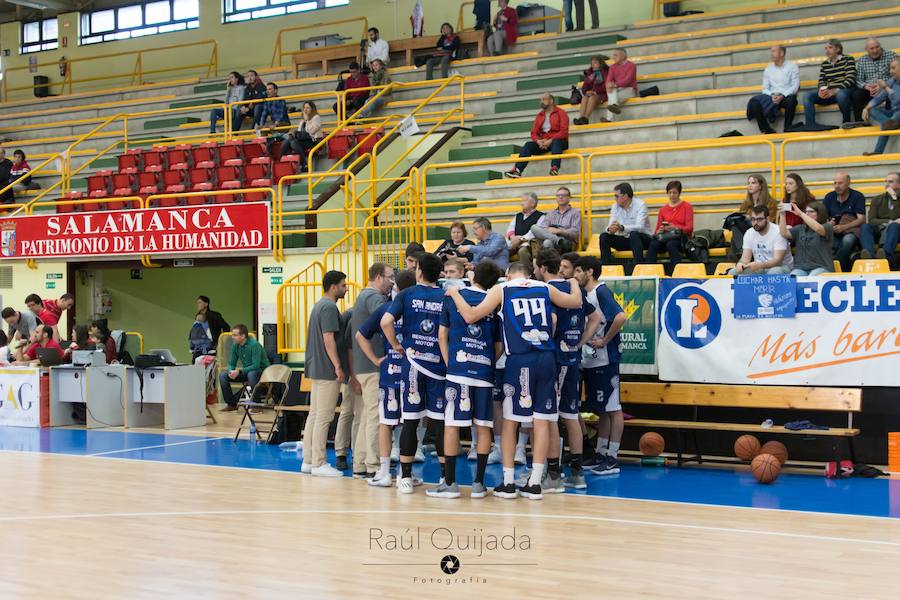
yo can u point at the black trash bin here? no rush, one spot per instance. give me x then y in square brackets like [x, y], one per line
[41, 86]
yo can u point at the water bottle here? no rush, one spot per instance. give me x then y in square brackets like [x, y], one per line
[289, 446]
[252, 432]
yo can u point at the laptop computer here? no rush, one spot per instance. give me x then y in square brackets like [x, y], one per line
[49, 357]
[164, 355]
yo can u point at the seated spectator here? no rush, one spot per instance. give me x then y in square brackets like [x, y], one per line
[872, 68]
[812, 238]
[274, 109]
[20, 168]
[41, 337]
[6, 166]
[506, 29]
[377, 48]
[796, 192]
[411, 255]
[766, 250]
[847, 212]
[884, 221]
[254, 89]
[234, 92]
[491, 246]
[629, 226]
[253, 361]
[309, 133]
[888, 117]
[519, 230]
[593, 90]
[6, 356]
[559, 228]
[549, 133]
[104, 341]
[199, 337]
[50, 311]
[674, 225]
[450, 248]
[447, 50]
[355, 79]
[379, 77]
[757, 194]
[80, 340]
[837, 77]
[621, 83]
[20, 324]
[781, 82]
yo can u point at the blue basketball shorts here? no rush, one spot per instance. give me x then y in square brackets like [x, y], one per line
[529, 387]
[421, 395]
[601, 389]
[568, 385]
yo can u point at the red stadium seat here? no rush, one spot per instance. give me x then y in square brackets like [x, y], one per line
[230, 154]
[205, 155]
[201, 181]
[257, 175]
[130, 162]
[155, 159]
[340, 144]
[229, 178]
[284, 168]
[68, 208]
[123, 185]
[148, 183]
[173, 182]
[98, 184]
[255, 152]
[369, 144]
[179, 158]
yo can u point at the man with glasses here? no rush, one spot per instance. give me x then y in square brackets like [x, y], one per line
[765, 250]
[559, 228]
[629, 226]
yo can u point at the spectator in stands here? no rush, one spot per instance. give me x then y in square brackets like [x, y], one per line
[506, 29]
[812, 239]
[559, 228]
[217, 324]
[6, 166]
[629, 226]
[593, 90]
[447, 50]
[765, 250]
[20, 324]
[355, 79]
[254, 89]
[49, 311]
[796, 192]
[450, 247]
[871, 68]
[837, 77]
[199, 340]
[519, 230]
[323, 369]
[491, 246]
[100, 332]
[888, 117]
[884, 221]
[80, 340]
[482, 11]
[621, 83]
[673, 226]
[275, 109]
[309, 133]
[411, 255]
[234, 92]
[378, 77]
[253, 361]
[847, 212]
[757, 194]
[377, 48]
[579, 14]
[549, 133]
[20, 168]
[6, 355]
[41, 337]
[781, 82]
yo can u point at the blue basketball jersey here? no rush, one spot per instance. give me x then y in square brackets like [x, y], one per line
[471, 352]
[420, 308]
[604, 301]
[526, 314]
[569, 326]
[389, 374]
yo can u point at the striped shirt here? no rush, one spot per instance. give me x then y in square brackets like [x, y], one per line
[869, 71]
[838, 74]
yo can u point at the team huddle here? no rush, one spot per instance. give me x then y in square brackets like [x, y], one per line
[499, 357]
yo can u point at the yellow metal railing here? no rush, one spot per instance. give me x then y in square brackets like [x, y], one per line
[656, 9]
[822, 137]
[461, 21]
[279, 53]
[135, 73]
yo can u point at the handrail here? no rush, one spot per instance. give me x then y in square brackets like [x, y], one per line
[136, 73]
[460, 21]
[278, 53]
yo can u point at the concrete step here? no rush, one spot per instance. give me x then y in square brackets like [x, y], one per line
[462, 177]
[590, 42]
[195, 102]
[169, 123]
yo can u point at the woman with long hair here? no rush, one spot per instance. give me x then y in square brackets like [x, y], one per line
[593, 90]
[309, 132]
[758, 193]
[234, 92]
[796, 192]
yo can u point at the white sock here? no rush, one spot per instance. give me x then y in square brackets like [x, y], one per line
[385, 469]
[603, 446]
[537, 473]
[509, 476]
[523, 439]
[614, 449]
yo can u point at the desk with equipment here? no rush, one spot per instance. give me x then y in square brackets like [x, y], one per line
[88, 382]
[159, 392]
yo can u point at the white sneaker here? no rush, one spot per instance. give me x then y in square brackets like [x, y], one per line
[520, 458]
[473, 453]
[384, 481]
[305, 468]
[405, 485]
[420, 456]
[494, 456]
[395, 454]
[326, 470]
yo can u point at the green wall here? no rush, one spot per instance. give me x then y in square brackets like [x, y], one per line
[161, 305]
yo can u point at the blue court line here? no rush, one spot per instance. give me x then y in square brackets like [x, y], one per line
[693, 485]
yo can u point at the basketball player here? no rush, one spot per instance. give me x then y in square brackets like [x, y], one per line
[390, 366]
[600, 366]
[469, 351]
[422, 377]
[528, 392]
[567, 265]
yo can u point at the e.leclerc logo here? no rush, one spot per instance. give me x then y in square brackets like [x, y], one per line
[691, 317]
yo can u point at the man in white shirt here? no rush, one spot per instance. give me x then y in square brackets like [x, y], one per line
[765, 249]
[781, 82]
[377, 48]
[629, 226]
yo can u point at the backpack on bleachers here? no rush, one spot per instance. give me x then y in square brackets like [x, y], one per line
[697, 248]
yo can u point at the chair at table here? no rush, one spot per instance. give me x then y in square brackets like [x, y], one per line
[263, 397]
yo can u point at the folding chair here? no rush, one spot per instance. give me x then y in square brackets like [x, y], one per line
[280, 374]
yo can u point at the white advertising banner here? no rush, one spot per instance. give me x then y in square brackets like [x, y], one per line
[845, 332]
[20, 397]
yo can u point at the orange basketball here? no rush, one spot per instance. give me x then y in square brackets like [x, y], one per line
[746, 447]
[652, 444]
[776, 449]
[765, 468]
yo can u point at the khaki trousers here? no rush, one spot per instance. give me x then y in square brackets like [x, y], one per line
[366, 440]
[323, 399]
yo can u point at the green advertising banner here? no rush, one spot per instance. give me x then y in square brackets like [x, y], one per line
[637, 297]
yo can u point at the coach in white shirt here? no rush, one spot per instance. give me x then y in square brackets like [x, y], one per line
[629, 226]
[765, 249]
[377, 48]
[781, 81]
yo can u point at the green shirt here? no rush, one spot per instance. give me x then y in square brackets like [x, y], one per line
[251, 355]
[883, 209]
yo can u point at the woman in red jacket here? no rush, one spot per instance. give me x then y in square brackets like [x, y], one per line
[506, 26]
[674, 225]
[593, 89]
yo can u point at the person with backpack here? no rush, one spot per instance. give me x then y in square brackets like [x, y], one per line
[199, 338]
[217, 324]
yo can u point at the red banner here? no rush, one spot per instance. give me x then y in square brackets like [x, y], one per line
[175, 230]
